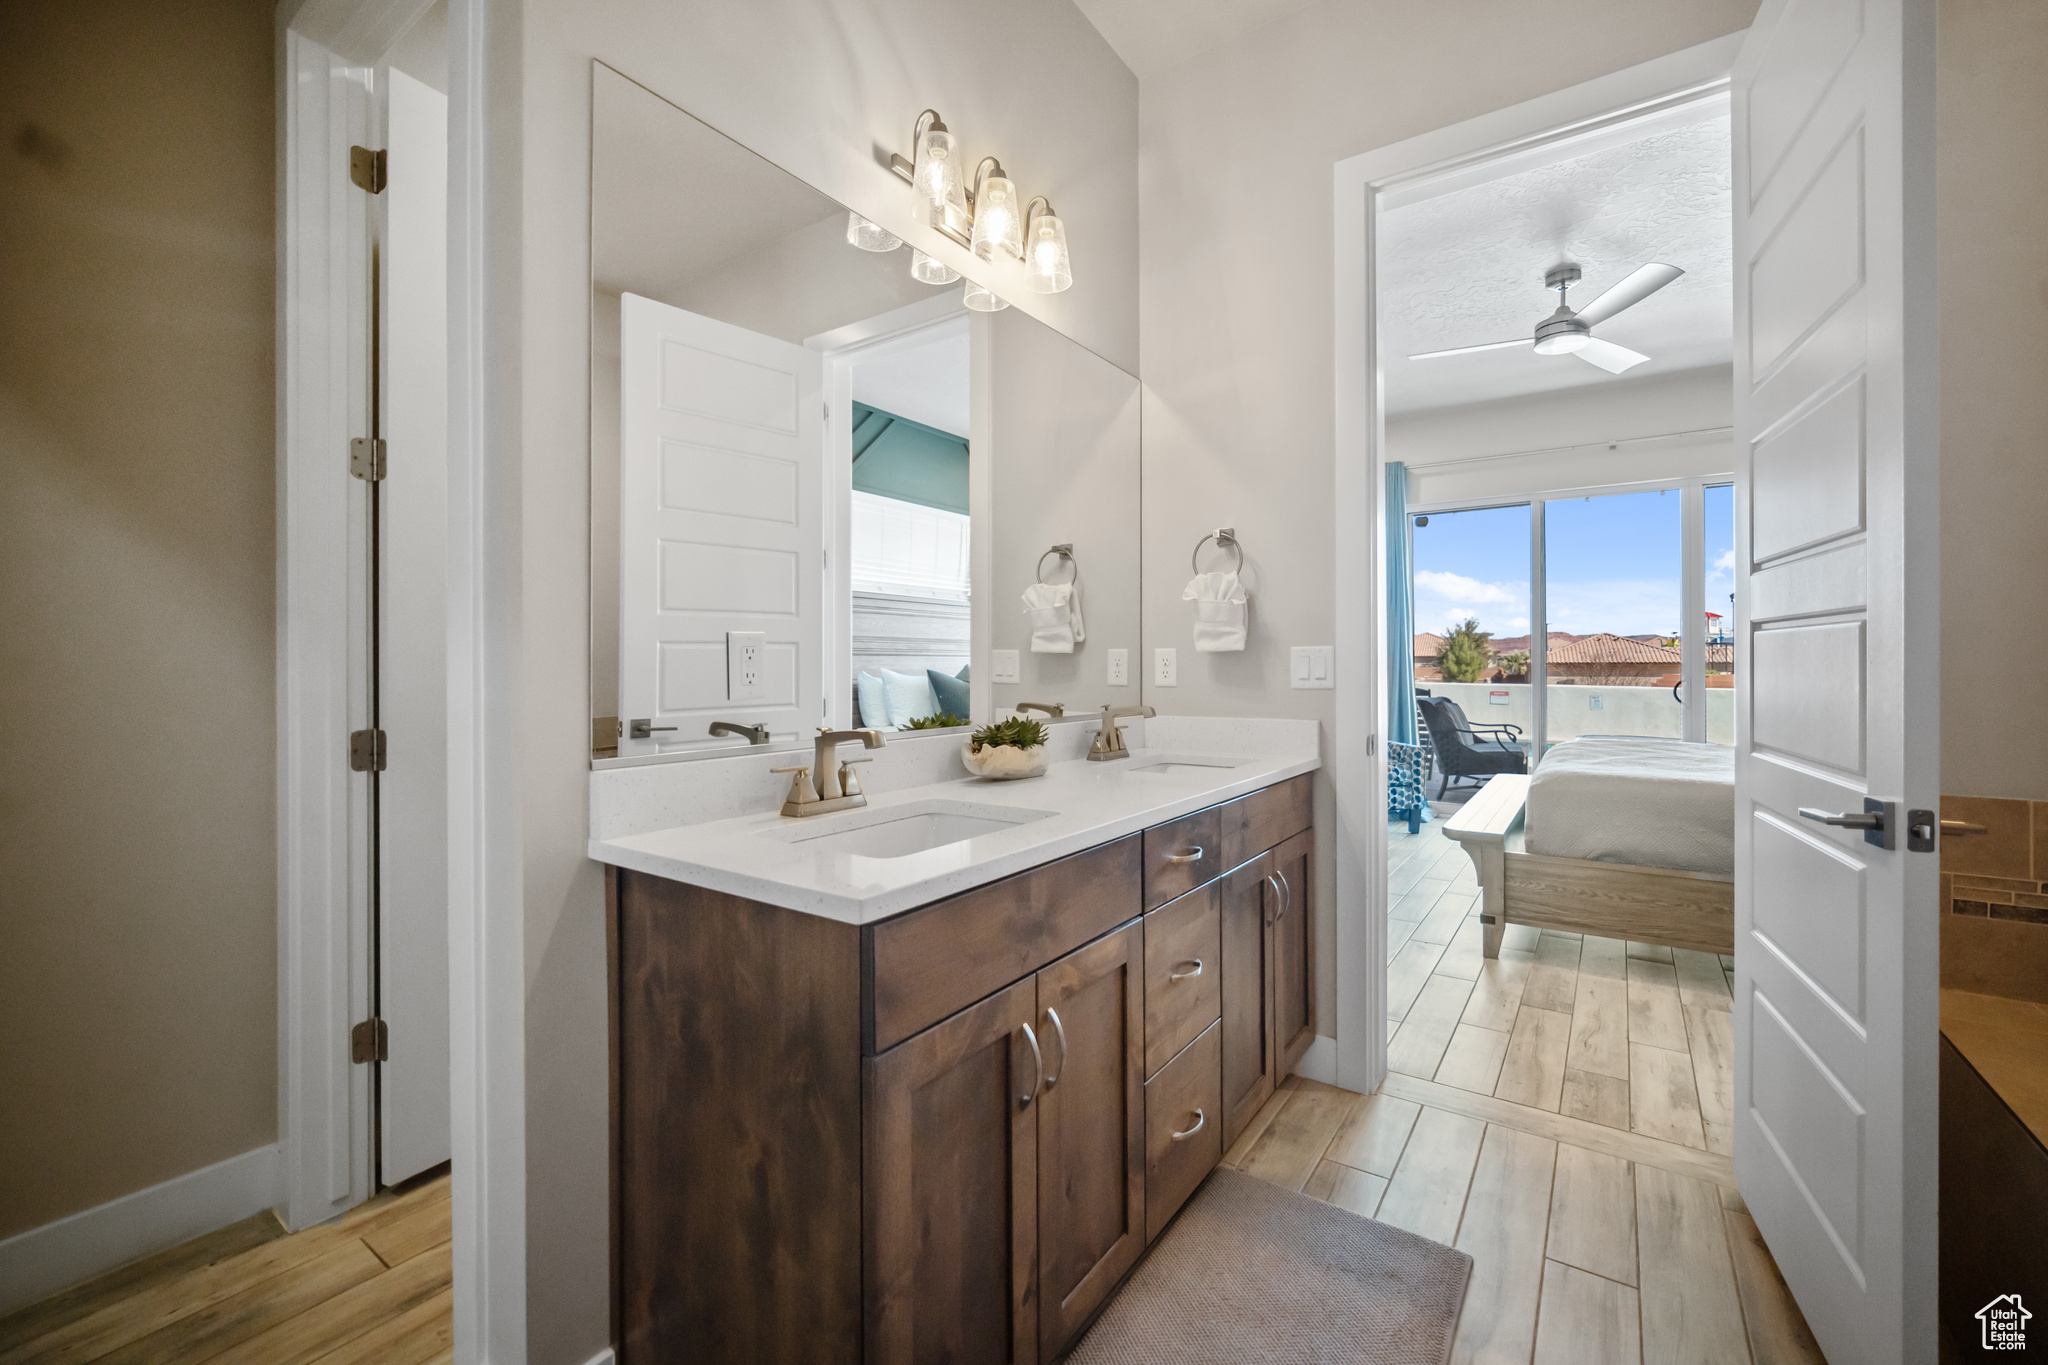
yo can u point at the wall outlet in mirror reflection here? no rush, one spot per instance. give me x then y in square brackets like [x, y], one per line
[743, 649]
[1119, 668]
[1003, 666]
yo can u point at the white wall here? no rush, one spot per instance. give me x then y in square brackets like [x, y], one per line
[1235, 307]
[817, 87]
[1664, 427]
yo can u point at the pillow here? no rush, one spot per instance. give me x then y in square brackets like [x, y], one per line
[874, 701]
[910, 696]
[951, 692]
[962, 674]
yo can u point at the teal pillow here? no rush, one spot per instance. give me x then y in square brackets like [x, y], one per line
[962, 674]
[951, 692]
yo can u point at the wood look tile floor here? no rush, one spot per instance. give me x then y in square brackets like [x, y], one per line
[371, 1288]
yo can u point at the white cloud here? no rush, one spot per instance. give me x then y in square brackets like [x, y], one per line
[1726, 563]
[1623, 606]
[1437, 583]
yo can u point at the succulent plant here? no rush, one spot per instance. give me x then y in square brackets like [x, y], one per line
[942, 721]
[1017, 732]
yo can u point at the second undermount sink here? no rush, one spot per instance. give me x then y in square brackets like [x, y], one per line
[900, 831]
[1182, 763]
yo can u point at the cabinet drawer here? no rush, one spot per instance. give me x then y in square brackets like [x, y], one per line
[1183, 973]
[1182, 854]
[1252, 824]
[928, 964]
[1187, 1094]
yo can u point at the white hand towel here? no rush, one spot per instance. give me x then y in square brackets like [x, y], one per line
[1220, 612]
[1055, 612]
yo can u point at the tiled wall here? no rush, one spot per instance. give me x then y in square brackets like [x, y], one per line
[1994, 888]
[2002, 874]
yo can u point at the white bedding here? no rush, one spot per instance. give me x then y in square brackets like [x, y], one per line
[1647, 802]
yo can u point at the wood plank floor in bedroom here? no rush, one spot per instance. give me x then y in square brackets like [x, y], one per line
[371, 1288]
[1563, 1114]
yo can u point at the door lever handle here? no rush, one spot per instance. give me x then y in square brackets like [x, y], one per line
[1844, 820]
[1879, 821]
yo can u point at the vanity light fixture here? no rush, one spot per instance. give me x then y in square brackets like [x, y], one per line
[998, 227]
[869, 237]
[982, 299]
[930, 269]
[1046, 267]
[934, 168]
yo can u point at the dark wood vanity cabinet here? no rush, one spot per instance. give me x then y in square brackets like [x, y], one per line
[949, 1135]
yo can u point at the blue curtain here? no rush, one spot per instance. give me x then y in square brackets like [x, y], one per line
[1400, 610]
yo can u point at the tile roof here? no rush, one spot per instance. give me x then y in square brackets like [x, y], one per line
[1609, 649]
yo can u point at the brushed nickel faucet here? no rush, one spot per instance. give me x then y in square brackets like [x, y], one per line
[752, 734]
[828, 785]
[1053, 710]
[1109, 741]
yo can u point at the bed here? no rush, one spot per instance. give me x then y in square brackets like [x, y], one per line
[1620, 836]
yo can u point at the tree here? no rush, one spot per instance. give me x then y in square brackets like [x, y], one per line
[1514, 664]
[1465, 653]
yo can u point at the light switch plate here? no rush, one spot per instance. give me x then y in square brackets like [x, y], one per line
[1313, 666]
[1119, 668]
[1166, 668]
[1003, 666]
[743, 651]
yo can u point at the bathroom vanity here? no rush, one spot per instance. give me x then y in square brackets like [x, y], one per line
[922, 1082]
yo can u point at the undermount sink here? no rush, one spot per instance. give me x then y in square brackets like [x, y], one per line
[1179, 763]
[900, 831]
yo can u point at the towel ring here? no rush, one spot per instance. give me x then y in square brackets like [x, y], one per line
[1066, 553]
[1224, 537]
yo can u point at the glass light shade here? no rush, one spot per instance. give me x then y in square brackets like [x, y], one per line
[998, 223]
[938, 171]
[867, 236]
[981, 300]
[930, 269]
[1563, 343]
[1046, 267]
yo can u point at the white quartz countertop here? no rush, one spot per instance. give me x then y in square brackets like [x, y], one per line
[1076, 805]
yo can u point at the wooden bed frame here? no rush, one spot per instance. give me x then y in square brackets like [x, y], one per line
[1582, 895]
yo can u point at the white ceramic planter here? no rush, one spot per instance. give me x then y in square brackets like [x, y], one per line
[1005, 762]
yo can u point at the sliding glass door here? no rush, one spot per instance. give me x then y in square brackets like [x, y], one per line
[1614, 594]
[1472, 615]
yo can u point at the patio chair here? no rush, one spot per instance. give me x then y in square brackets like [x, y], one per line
[1466, 749]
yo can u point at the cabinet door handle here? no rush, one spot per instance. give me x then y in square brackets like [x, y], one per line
[1200, 1119]
[1178, 975]
[1061, 1030]
[1193, 857]
[1037, 1068]
[1283, 891]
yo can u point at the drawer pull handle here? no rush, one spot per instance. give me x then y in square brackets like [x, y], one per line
[1061, 1030]
[1191, 857]
[1200, 1119]
[1037, 1068]
[1178, 975]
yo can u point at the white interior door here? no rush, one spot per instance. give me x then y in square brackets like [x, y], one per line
[1837, 937]
[412, 791]
[721, 525]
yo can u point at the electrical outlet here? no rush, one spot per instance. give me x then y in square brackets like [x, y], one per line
[1166, 668]
[743, 651]
[1119, 668]
[1003, 666]
[1313, 666]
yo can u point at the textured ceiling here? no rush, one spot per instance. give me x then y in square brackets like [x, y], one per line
[1466, 267]
[1152, 35]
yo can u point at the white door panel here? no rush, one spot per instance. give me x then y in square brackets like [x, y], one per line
[1836, 959]
[721, 522]
[412, 939]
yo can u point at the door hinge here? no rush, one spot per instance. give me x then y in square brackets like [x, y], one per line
[366, 169]
[369, 1041]
[366, 751]
[366, 458]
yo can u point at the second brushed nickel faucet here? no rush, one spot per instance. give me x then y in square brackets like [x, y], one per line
[1109, 742]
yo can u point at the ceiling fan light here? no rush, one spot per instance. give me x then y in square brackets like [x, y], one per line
[1561, 343]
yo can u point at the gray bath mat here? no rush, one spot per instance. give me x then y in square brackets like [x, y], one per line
[1253, 1273]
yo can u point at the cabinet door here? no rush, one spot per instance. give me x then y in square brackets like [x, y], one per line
[951, 1190]
[1291, 915]
[1091, 1130]
[1248, 1056]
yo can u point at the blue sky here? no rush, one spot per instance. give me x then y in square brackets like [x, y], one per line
[1613, 564]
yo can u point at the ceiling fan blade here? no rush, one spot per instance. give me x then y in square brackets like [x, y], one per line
[1473, 350]
[1645, 281]
[1608, 356]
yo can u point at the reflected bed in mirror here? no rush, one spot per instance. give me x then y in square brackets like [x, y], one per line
[823, 491]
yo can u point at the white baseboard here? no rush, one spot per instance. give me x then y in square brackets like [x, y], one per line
[1319, 1063]
[604, 1357]
[37, 1263]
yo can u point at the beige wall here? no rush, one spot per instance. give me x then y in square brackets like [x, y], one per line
[1992, 109]
[1235, 307]
[138, 948]
[816, 87]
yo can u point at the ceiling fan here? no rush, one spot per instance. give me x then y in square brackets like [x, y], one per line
[1567, 333]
